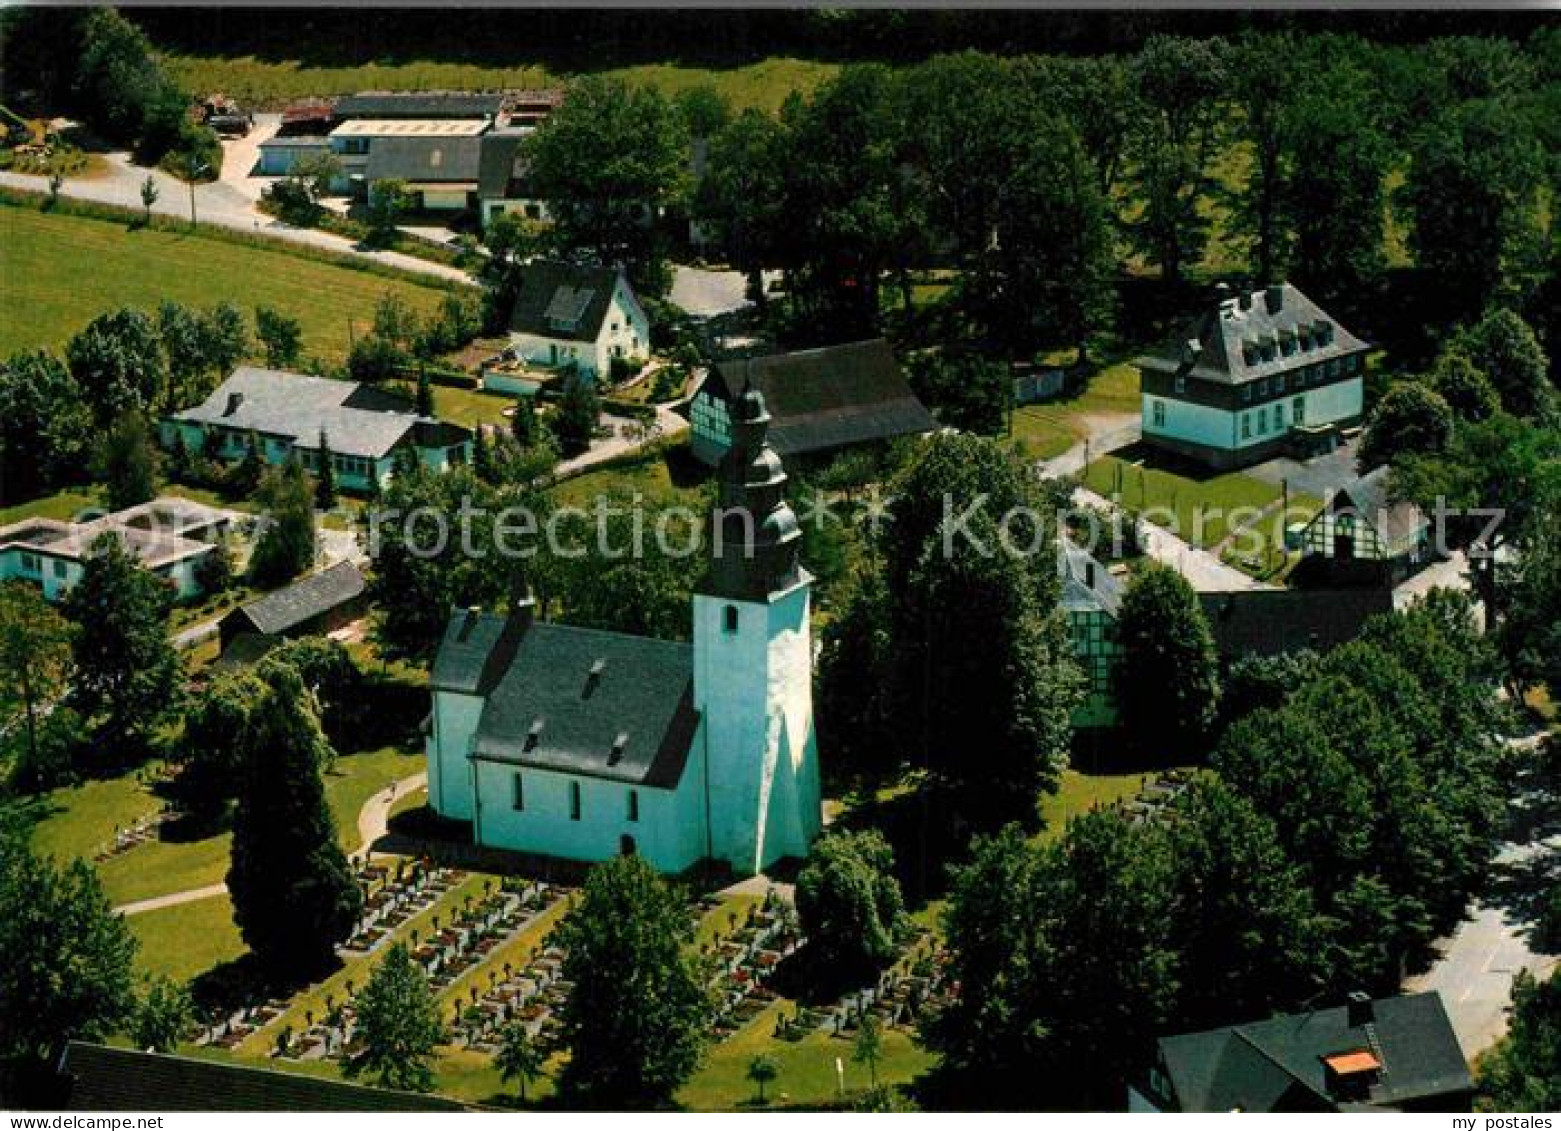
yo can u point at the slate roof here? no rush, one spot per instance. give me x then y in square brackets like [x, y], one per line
[245, 651]
[573, 700]
[1268, 622]
[1245, 338]
[424, 159]
[500, 163]
[1368, 497]
[1277, 1064]
[157, 533]
[1078, 593]
[304, 599]
[829, 398]
[357, 420]
[549, 285]
[434, 104]
[112, 1079]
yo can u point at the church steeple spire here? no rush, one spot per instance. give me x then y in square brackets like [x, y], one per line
[755, 534]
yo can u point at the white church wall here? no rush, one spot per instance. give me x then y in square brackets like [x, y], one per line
[455, 718]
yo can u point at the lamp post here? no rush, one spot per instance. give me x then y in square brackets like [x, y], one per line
[194, 171]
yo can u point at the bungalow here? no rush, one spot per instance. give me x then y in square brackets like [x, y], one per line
[1391, 1054]
[169, 536]
[285, 414]
[1363, 534]
[1258, 374]
[318, 603]
[577, 315]
[823, 400]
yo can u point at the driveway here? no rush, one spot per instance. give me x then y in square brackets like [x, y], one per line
[622, 439]
[1318, 477]
[706, 294]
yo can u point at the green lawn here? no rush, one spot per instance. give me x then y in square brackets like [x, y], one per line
[80, 820]
[62, 505]
[1046, 431]
[1203, 509]
[1078, 793]
[185, 941]
[58, 272]
[764, 84]
[471, 407]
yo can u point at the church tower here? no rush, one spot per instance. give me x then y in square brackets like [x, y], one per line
[753, 661]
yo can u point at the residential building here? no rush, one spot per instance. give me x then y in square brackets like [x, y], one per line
[284, 414]
[99, 1078]
[503, 178]
[1092, 599]
[1391, 1054]
[1363, 534]
[312, 605]
[439, 172]
[579, 316]
[169, 536]
[1258, 374]
[582, 744]
[824, 400]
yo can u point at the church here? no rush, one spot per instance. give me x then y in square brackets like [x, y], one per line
[583, 744]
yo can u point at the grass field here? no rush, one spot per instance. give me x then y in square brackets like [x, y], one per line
[185, 941]
[58, 272]
[763, 85]
[1204, 509]
[1046, 431]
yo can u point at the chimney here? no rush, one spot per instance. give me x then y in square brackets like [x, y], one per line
[469, 620]
[234, 400]
[618, 746]
[523, 610]
[1274, 297]
[593, 678]
[1360, 1007]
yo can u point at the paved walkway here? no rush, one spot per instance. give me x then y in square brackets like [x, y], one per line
[373, 823]
[623, 441]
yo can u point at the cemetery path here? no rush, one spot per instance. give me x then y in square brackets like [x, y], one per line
[373, 823]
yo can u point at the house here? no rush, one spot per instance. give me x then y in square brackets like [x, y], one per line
[1091, 599]
[1391, 1054]
[1362, 534]
[439, 172]
[581, 744]
[1257, 375]
[285, 414]
[824, 400]
[1271, 622]
[99, 1078]
[415, 142]
[318, 603]
[169, 536]
[503, 178]
[577, 315]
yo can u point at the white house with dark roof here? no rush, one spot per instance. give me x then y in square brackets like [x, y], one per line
[577, 314]
[1259, 373]
[285, 413]
[581, 744]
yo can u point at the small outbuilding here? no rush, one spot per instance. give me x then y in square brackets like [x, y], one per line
[319, 603]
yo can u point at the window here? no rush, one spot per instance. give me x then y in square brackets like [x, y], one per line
[518, 802]
[1262, 422]
[59, 569]
[1246, 426]
[1246, 393]
[1298, 410]
[634, 805]
[1181, 383]
[1158, 409]
[729, 618]
[1279, 417]
[30, 563]
[574, 801]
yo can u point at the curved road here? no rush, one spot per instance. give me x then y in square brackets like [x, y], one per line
[373, 822]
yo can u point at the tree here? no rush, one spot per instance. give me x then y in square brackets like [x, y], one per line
[128, 462]
[338, 685]
[636, 1021]
[868, 1047]
[325, 478]
[523, 423]
[1530, 634]
[163, 1017]
[1167, 681]
[244, 477]
[854, 715]
[118, 81]
[425, 393]
[1177, 82]
[46, 426]
[578, 409]
[1472, 196]
[519, 1057]
[52, 921]
[389, 202]
[398, 1021]
[1523, 1071]
[184, 347]
[117, 361]
[126, 671]
[610, 161]
[213, 748]
[1264, 92]
[35, 655]
[850, 905]
[762, 1070]
[285, 547]
[1467, 391]
[740, 195]
[1503, 347]
[294, 896]
[149, 195]
[224, 340]
[1409, 418]
[280, 336]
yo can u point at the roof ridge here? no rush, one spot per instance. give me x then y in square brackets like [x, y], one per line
[1251, 1042]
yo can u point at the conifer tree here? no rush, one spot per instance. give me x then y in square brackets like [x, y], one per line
[325, 480]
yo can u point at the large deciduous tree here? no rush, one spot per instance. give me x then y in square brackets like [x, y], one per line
[1167, 681]
[850, 905]
[117, 360]
[35, 656]
[398, 1023]
[285, 547]
[637, 1020]
[1410, 418]
[46, 426]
